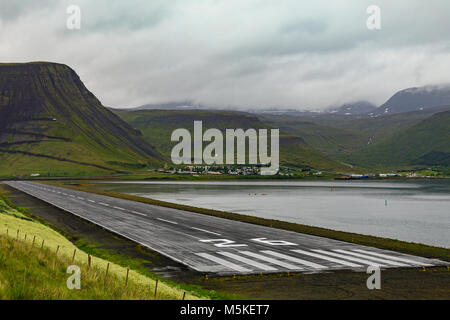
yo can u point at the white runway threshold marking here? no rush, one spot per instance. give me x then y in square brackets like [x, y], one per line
[363, 261]
[223, 262]
[392, 263]
[294, 259]
[271, 260]
[393, 258]
[320, 256]
[247, 261]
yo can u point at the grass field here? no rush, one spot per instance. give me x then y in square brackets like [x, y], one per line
[34, 260]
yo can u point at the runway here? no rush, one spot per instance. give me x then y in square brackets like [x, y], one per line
[218, 246]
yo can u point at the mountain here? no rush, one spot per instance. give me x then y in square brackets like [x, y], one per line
[50, 123]
[158, 125]
[355, 108]
[417, 99]
[426, 143]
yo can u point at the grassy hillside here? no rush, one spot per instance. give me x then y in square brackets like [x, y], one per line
[339, 136]
[30, 270]
[158, 125]
[326, 139]
[50, 122]
[426, 143]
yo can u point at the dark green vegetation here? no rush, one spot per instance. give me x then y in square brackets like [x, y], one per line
[158, 125]
[52, 125]
[378, 242]
[425, 143]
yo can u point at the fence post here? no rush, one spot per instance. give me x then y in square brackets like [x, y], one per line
[34, 239]
[17, 234]
[126, 280]
[156, 288]
[107, 269]
[42, 246]
[89, 261]
[184, 295]
[57, 249]
[74, 252]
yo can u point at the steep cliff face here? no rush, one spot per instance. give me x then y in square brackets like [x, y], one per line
[46, 112]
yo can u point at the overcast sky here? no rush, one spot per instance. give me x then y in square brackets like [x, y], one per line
[247, 53]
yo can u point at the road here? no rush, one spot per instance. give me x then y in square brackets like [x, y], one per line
[214, 245]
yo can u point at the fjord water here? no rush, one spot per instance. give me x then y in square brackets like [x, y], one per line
[416, 210]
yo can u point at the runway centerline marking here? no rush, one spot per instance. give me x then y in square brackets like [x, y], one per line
[247, 261]
[223, 262]
[217, 234]
[119, 208]
[168, 221]
[104, 204]
[315, 255]
[141, 214]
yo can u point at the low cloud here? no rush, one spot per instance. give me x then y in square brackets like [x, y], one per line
[251, 53]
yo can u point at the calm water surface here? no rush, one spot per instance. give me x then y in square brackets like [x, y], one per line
[417, 211]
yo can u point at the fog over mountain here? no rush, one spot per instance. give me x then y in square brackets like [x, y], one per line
[412, 99]
[252, 54]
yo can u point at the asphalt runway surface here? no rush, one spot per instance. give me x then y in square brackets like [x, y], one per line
[218, 246]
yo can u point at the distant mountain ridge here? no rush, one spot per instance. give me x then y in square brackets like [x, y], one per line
[354, 108]
[412, 99]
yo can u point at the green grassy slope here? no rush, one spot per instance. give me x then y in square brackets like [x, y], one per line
[34, 259]
[158, 126]
[51, 122]
[426, 143]
[329, 140]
